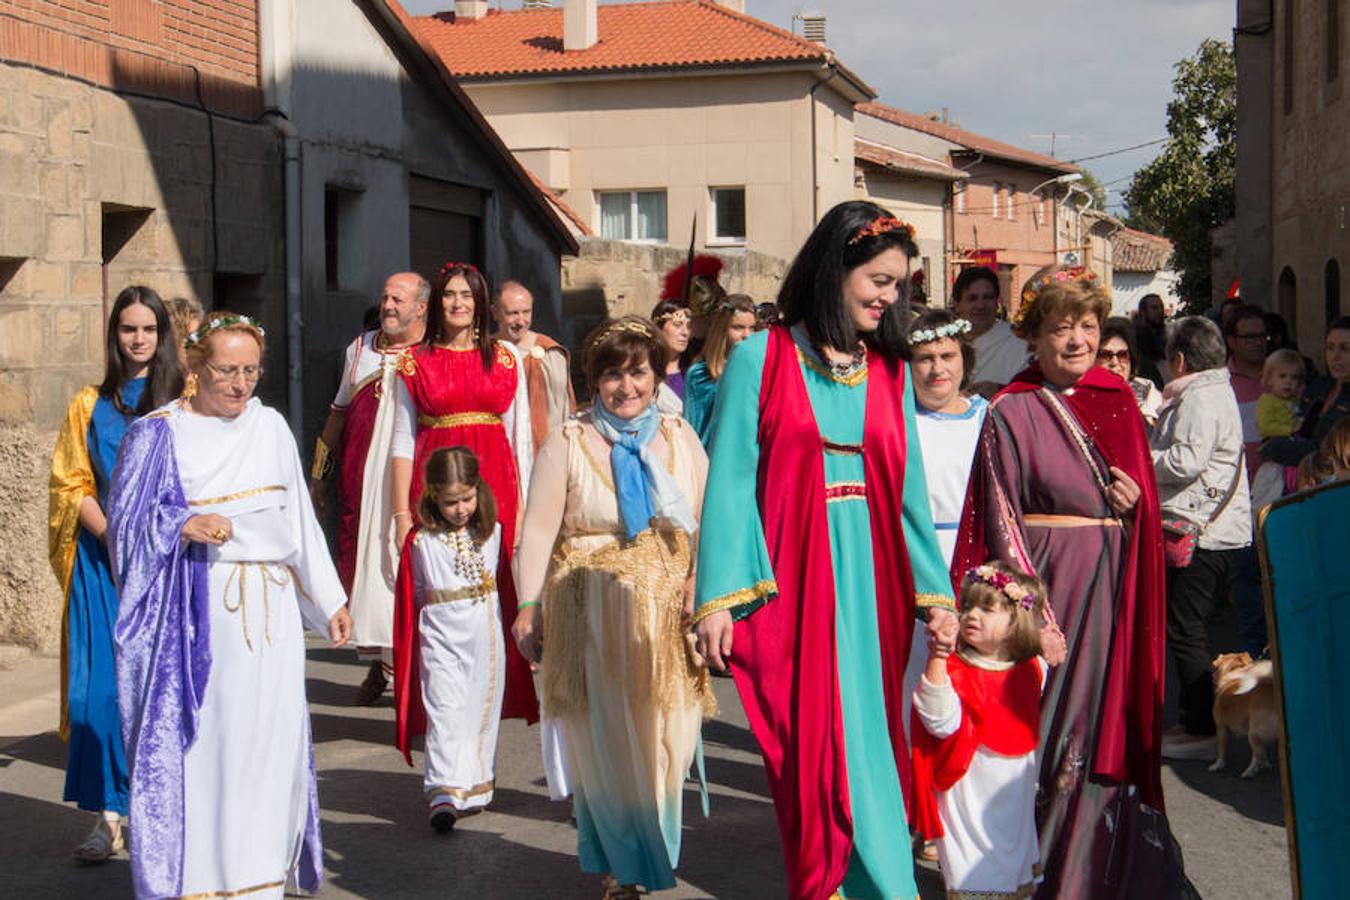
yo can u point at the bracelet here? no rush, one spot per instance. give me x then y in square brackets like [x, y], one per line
[402, 512]
[526, 605]
[323, 459]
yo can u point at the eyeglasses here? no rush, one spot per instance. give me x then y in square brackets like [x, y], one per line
[1120, 356]
[229, 373]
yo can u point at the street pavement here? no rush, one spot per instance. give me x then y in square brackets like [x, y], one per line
[378, 843]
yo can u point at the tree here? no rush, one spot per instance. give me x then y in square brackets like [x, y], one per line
[1188, 189]
[1094, 189]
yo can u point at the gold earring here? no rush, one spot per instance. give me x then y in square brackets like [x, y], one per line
[190, 386]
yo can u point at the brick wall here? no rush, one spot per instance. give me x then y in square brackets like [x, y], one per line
[164, 48]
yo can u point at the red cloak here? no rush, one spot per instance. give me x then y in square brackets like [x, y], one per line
[1000, 711]
[786, 668]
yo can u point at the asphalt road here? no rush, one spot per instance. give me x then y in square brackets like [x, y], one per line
[379, 845]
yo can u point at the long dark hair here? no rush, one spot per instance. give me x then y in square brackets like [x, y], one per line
[812, 289]
[164, 380]
[482, 309]
[1123, 328]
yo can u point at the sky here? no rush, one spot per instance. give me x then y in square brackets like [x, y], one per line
[1097, 74]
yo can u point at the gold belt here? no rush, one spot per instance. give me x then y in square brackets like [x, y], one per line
[474, 418]
[475, 592]
[1041, 520]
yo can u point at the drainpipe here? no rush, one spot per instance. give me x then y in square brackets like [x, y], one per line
[815, 167]
[276, 33]
[295, 394]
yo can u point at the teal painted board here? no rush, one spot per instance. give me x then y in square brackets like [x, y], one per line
[1305, 555]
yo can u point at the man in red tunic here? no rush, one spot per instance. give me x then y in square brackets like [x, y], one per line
[355, 444]
[547, 363]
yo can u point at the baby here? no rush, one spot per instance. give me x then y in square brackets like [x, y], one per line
[1277, 412]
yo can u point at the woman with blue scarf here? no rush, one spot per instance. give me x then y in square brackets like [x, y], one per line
[606, 588]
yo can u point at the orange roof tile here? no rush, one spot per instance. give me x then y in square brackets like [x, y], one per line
[669, 34]
[895, 160]
[977, 142]
[1138, 251]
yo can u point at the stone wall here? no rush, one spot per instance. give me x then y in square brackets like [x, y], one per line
[95, 184]
[630, 276]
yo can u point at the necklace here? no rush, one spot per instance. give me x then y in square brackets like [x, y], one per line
[468, 563]
[844, 369]
[382, 344]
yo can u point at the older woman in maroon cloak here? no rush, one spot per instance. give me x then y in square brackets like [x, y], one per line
[1063, 488]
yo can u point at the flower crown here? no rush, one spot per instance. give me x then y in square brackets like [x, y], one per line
[221, 321]
[882, 225]
[451, 266]
[949, 330]
[1004, 582]
[1032, 292]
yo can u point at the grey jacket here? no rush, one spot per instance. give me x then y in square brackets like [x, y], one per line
[1197, 453]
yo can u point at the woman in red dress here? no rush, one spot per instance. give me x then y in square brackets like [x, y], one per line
[462, 388]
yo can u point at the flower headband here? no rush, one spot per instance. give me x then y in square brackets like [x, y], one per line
[882, 225]
[1004, 582]
[223, 321]
[949, 330]
[1032, 292]
[451, 266]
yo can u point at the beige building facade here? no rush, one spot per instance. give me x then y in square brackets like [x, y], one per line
[642, 133]
[786, 151]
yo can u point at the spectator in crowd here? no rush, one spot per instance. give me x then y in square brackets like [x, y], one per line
[1118, 353]
[1150, 339]
[1247, 341]
[1326, 401]
[1278, 329]
[1198, 460]
[1279, 411]
[999, 354]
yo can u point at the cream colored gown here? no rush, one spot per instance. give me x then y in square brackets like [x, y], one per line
[617, 671]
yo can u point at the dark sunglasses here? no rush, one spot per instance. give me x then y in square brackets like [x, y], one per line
[1116, 355]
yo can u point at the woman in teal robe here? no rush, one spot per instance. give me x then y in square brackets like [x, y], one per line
[818, 542]
[141, 374]
[732, 322]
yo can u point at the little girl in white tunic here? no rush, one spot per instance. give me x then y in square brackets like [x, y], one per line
[452, 561]
[975, 726]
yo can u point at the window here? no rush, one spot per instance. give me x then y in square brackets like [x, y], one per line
[340, 259]
[633, 215]
[728, 215]
[959, 189]
[1012, 201]
[998, 188]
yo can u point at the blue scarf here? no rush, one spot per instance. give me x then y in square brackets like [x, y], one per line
[645, 490]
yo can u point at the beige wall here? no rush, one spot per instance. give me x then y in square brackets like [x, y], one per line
[685, 134]
[66, 150]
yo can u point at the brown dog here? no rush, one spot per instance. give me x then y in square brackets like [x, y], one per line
[1244, 702]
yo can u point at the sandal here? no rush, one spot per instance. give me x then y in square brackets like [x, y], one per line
[616, 891]
[103, 843]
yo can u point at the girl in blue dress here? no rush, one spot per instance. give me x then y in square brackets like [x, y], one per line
[141, 373]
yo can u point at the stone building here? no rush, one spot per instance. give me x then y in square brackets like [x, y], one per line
[134, 149]
[1293, 180]
[130, 151]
